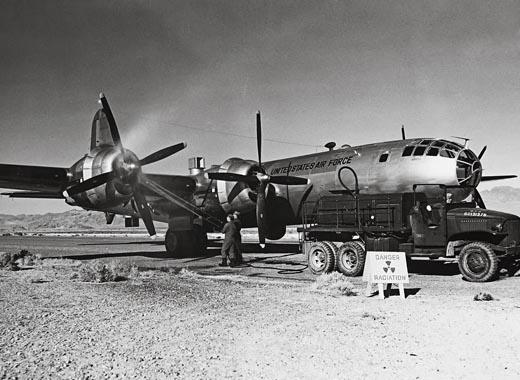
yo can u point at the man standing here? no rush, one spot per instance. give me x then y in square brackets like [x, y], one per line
[229, 245]
[238, 225]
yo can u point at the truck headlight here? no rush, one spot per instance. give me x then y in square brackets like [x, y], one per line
[498, 228]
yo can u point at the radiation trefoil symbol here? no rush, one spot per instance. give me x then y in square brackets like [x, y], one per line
[388, 267]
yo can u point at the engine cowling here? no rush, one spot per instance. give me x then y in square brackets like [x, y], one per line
[243, 197]
[242, 202]
[110, 194]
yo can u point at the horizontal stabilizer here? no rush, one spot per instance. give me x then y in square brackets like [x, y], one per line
[496, 177]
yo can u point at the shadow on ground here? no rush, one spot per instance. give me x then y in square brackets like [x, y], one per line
[439, 268]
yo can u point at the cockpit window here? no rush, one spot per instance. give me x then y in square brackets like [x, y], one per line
[383, 157]
[447, 153]
[432, 152]
[419, 151]
[433, 148]
[408, 151]
[452, 147]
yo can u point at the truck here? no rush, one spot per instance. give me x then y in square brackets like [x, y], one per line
[338, 229]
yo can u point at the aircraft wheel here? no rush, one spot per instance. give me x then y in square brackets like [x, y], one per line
[320, 258]
[200, 241]
[478, 262]
[351, 258]
[172, 243]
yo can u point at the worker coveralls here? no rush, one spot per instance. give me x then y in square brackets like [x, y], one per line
[238, 225]
[230, 242]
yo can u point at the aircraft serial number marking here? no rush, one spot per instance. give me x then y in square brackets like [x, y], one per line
[313, 165]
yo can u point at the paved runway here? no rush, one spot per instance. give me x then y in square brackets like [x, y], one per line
[279, 260]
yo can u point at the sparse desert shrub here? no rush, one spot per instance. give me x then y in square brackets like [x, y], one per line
[98, 271]
[8, 261]
[334, 283]
[12, 261]
[482, 296]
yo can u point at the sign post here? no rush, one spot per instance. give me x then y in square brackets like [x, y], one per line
[385, 268]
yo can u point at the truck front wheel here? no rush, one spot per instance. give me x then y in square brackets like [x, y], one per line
[351, 258]
[320, 258]
[478, 262]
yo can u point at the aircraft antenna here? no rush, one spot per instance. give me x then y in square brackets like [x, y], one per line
[402, 132]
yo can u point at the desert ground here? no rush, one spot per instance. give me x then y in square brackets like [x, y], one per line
[268, 319]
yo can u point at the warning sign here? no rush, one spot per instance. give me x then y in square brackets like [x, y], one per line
[386, 268]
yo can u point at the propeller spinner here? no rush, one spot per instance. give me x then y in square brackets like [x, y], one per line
[258, 179]
[126, 169]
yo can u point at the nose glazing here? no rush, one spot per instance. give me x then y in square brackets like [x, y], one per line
[469, 169]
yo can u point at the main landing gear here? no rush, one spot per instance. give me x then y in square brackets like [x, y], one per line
[191, 243]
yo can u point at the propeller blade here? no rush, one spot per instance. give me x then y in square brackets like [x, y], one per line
[233, 177]
[111, 121]
[259, 138]
[288, 180]
[260, 213]
[91, 183]
[237, 189]
[144, 210]
[478, 199]
[482, 152]
[163, 153]
[486, 178]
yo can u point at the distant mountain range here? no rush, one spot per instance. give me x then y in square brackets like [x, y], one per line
[75, 219]
[501, 198]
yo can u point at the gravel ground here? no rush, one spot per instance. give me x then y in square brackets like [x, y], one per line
[184, 325]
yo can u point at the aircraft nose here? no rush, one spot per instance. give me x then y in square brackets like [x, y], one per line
[469, 169]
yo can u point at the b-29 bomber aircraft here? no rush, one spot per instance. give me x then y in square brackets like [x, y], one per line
[269, 195]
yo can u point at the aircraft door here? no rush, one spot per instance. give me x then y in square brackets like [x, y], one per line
[428, 220]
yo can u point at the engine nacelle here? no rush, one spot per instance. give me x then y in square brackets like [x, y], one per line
[242, 202]
[98, 161]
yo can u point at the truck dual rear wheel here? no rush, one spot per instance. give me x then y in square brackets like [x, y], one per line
[321, 258]
[351, 258]
[478, 262]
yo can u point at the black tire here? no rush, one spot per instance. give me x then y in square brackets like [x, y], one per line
[321, 258]
[200, 240]
[173, 244]
[186, 243]
[478, 262]
[334, 249]
[351, 258]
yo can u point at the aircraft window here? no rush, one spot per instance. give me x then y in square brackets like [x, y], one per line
[408, 151]
[432, 152]
[438, 143]
[426, 142]
[383, 157]
[419, 151]
[447, 153]
[452, 147]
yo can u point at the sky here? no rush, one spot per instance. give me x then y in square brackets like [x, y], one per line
[197, 71]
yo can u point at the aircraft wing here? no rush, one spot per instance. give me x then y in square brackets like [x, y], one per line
[34, 194]
[36, 179]
[179, 184]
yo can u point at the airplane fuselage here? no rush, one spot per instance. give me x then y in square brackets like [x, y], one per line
[386, 167]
